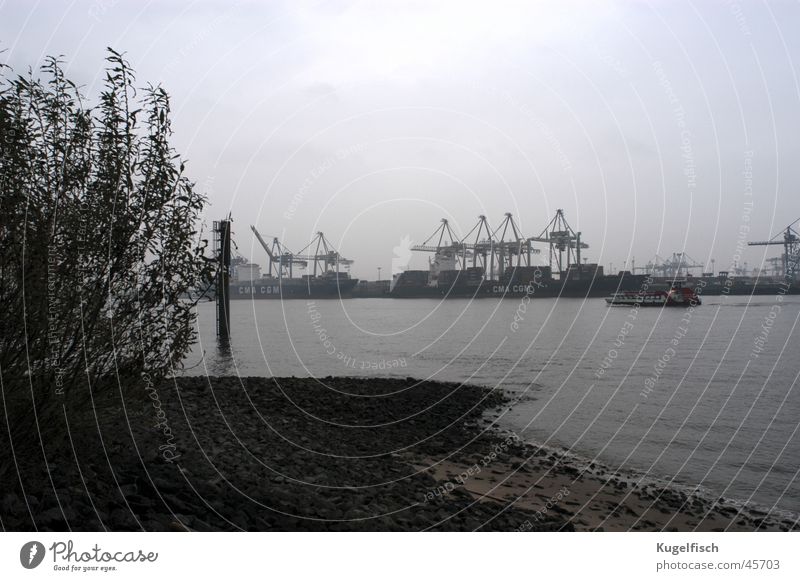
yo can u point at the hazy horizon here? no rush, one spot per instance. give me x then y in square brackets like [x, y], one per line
[658, 127]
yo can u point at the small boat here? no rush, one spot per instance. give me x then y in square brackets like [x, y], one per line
[677, 296]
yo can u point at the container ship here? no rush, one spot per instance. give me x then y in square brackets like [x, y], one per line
[726, 284]
[327, 280]
[325, 286]
[780, 278]
[531, 281]
[499, 262]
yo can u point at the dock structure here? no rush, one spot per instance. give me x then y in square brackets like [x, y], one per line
[485, 262]
[789, 238]
[494, 252]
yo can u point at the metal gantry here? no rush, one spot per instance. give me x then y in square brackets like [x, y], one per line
[678, 265]
[448, 251]
[790, 240]
[281, 260]
[492, 250]
[563, 242]
[323, 255]
[446, 240]
[510, 243]
[319, 251]
[482, 246]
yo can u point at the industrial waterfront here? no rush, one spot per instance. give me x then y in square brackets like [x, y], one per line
[495, 262]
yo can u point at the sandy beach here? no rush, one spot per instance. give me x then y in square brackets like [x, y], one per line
[589, 501]
[284, 454]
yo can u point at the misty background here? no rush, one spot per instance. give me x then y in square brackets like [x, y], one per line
[658, 127]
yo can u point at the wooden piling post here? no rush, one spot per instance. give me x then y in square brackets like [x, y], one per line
[222, 239]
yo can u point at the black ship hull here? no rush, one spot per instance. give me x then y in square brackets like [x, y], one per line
[601, 286]
[293, 288]
[597, 287]
[541, 285]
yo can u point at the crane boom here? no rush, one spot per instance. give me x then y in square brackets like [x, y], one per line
[263, 244]
[280, 258]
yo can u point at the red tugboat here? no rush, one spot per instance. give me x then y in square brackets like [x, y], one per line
[677, 296]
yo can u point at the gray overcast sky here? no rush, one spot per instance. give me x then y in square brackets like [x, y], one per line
[370, 121]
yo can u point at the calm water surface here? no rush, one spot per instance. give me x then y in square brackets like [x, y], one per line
[705, 397]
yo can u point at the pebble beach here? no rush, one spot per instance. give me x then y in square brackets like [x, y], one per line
[335, 453]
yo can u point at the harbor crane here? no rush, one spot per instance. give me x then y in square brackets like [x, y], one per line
[790, 240]
[482, 246]
[446, 240]
[496, 250]
[561, 239]
[319, 251]
[510, 243]
[281, 260]
[492, 250]
[447, 248]
[323, 255]
[678, 265]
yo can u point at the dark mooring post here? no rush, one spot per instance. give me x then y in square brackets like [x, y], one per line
[222, 244]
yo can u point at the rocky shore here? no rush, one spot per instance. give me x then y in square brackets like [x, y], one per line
[286, 454]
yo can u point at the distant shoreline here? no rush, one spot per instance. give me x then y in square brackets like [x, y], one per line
[254, 453]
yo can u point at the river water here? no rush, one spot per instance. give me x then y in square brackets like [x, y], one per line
[704, 397]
